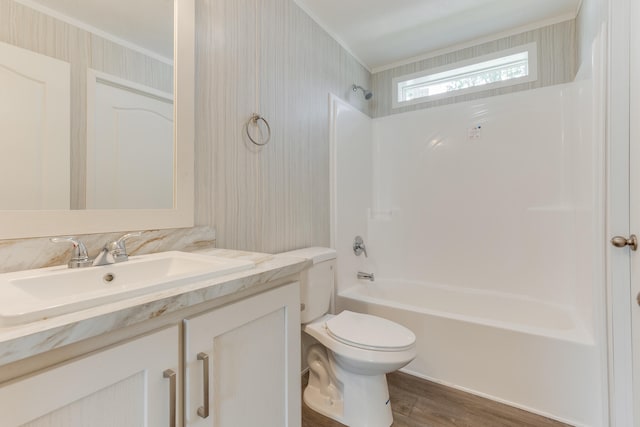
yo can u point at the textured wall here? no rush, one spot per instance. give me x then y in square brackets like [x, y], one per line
[269, 57]
[557, 63]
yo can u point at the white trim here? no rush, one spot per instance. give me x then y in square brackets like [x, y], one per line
[332, 34]
[476, 42]
[601, 247]
[619, 307]
[531, 48]
[94, 76]
[634, 199]
[333, 200]
[98, 32]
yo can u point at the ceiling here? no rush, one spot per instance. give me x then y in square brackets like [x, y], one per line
[144, 23]
[377, 32]
[382, 32]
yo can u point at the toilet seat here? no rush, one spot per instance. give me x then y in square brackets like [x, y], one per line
[366, 361]
[369, 332]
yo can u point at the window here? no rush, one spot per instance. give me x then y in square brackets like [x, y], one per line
[500, 69]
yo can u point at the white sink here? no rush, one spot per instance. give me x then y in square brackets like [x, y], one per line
[31, 295]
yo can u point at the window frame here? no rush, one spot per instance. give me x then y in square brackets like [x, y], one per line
[530, 48]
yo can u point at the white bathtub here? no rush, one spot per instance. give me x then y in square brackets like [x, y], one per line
[519, 351]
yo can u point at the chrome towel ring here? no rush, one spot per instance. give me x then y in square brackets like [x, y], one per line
[254, 119]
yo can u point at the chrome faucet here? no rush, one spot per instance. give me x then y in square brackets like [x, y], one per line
[366, 276]
[111, 253]
[114, 251]
[80, 257]
[359, 247]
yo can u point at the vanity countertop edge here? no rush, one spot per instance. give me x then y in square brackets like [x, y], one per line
[23, 341]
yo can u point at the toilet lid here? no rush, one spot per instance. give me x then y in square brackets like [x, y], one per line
[369, 332]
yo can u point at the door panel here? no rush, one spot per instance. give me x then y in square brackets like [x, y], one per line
[634, 200]
[251, 353]
[130, 149]
[121, 386]
[35, 129]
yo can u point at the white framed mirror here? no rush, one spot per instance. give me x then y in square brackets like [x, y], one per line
[98, 135]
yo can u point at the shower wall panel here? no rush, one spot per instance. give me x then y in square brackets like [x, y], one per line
[482, 195]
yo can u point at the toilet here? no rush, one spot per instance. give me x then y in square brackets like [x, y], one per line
[347, 369]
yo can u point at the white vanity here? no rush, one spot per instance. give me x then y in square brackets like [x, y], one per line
[221, 351]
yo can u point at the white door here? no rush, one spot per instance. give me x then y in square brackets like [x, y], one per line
[35, 130]
[624, 212]
[130, 149]
[242, 363]
[129, 385]
[634, 138]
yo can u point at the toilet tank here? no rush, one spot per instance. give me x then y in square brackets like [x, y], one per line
[316, 283]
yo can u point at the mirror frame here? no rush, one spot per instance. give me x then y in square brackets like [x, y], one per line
[29, 223]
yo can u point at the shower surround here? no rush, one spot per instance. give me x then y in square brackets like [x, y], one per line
[482, 223]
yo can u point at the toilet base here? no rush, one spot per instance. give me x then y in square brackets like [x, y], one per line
[353, 399]
[332, 408]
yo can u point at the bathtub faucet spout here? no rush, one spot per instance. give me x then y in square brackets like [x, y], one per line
[362, 275]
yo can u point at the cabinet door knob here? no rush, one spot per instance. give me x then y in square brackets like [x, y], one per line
[203, 411]
[169, 373]
[621, 242]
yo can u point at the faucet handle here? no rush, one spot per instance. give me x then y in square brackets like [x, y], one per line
[359, 247]
[127, 236]
[80, 256]
[119, 248]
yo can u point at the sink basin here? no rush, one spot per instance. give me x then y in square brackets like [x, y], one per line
[31, 295]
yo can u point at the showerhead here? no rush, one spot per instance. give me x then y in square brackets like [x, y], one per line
[366, 93]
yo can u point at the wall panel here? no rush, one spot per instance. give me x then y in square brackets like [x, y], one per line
[271, 58]
[492, 211]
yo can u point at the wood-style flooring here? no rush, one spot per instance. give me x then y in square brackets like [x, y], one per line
[419, 403]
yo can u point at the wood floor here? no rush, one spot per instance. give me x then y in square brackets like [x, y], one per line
[419, 403]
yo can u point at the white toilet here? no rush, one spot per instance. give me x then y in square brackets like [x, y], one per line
[347, 370]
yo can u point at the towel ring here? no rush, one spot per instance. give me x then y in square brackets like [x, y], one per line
[254, 119]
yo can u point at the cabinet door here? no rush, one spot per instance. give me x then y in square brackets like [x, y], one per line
[122, 386]
[249, 355]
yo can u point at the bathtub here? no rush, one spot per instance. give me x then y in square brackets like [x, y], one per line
[526, 353]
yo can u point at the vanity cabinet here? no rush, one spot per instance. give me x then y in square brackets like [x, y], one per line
[242, 363]
[128, 385]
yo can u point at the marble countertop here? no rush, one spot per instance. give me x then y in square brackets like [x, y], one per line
[21, 341]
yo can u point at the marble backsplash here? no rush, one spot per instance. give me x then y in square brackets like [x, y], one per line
[25, 254]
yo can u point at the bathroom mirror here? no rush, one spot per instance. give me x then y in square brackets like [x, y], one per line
[102, 131]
